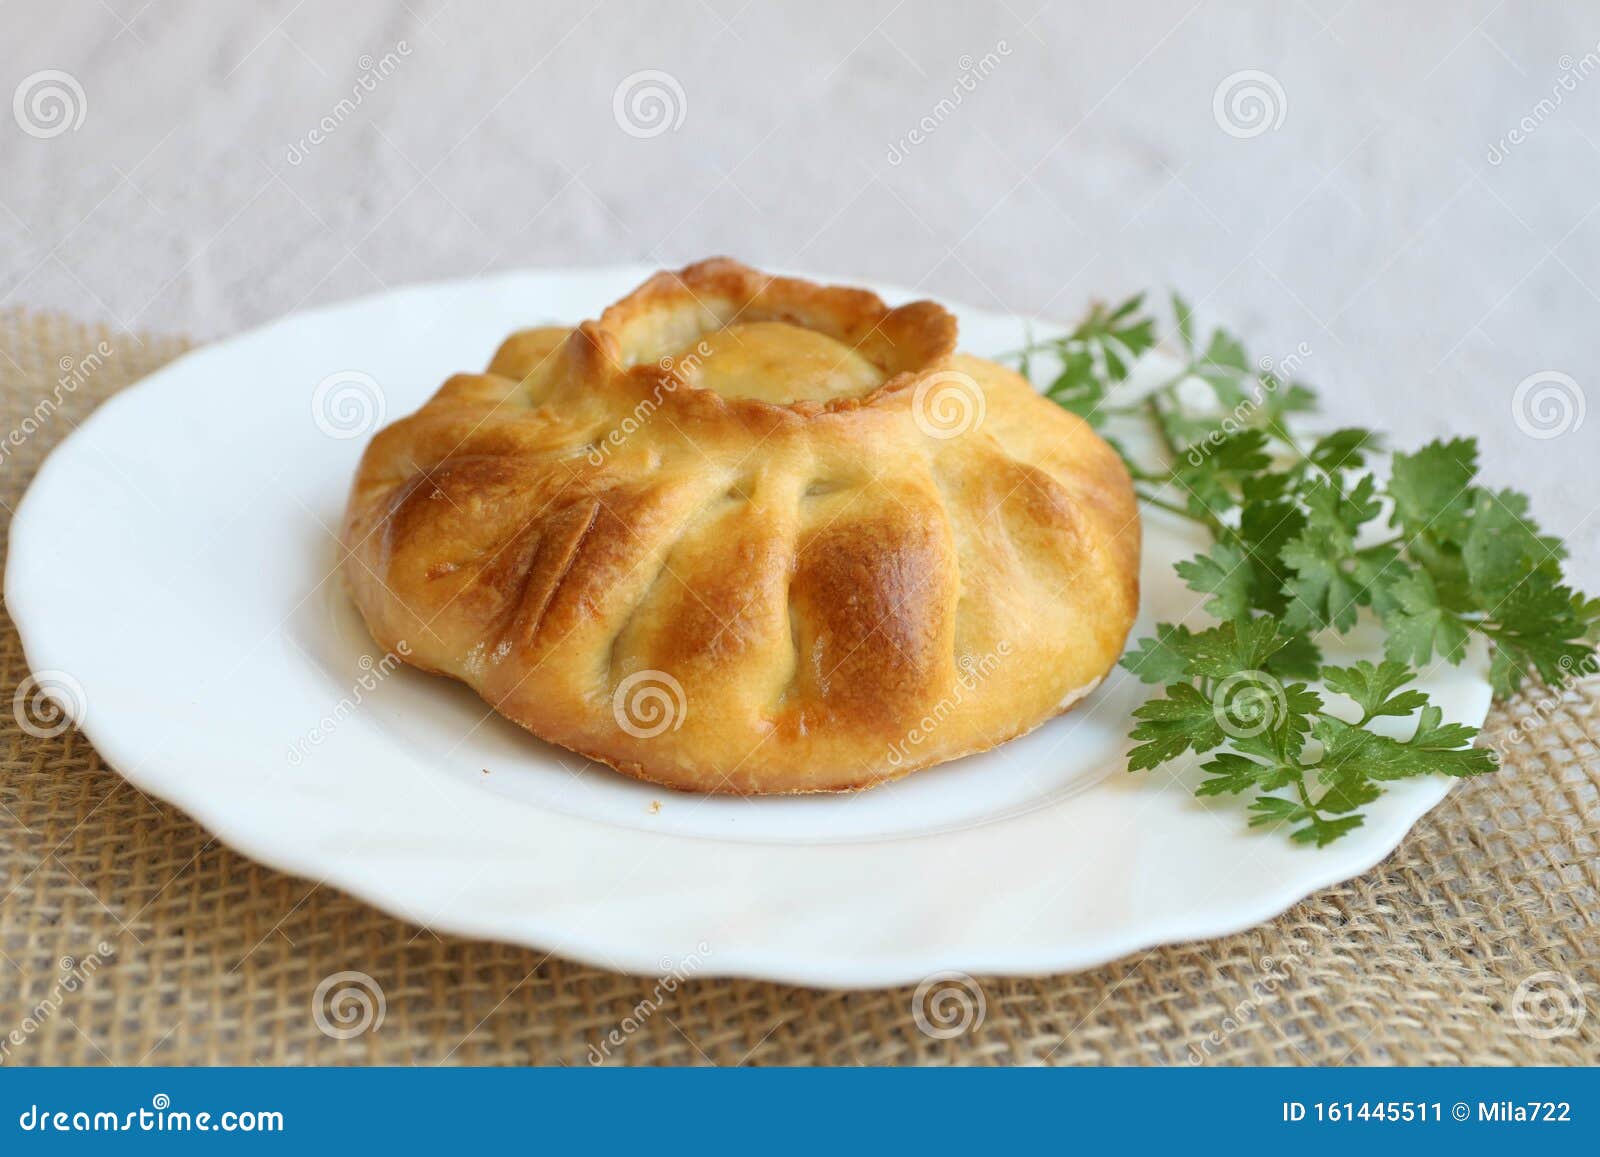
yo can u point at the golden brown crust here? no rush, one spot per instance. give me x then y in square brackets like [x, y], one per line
[804, 579]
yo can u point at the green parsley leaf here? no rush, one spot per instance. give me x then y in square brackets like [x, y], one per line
[1298, 658]
[1502, 546]
[1078, 387]
[1432, 489]
[1420, 624]
[1378, 757]
[1231, 774]
[1321, 590]
[1222, 574]
[1163, 659]
[1267, 524]
[1168, 727]
[1224, 366]
[1323, 832]
[1373, 688]
[1271, 810]
[1185, 319]
[1232, 647]
[1348, 795]
[1213, 472]
[1343, 449]
[1540, 626]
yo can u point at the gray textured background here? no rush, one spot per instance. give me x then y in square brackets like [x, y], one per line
[1428, 263]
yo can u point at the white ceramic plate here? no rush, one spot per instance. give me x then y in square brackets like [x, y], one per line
[173, 574]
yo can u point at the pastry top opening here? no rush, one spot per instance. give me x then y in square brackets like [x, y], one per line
[729, 330]
[774, 361]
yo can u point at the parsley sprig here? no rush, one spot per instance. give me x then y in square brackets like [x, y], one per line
[1306, 540]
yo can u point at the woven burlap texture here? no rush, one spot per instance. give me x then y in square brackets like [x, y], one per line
[131, 935]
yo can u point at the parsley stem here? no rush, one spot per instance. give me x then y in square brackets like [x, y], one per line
[1278, 430]
[1152, 406]
[1211, 522]
[1305, 796]
[1170, 507]
[1397, 540]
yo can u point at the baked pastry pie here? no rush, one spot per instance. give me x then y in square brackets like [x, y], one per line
[750, 534]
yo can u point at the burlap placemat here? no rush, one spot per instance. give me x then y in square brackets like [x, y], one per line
[130, 935]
